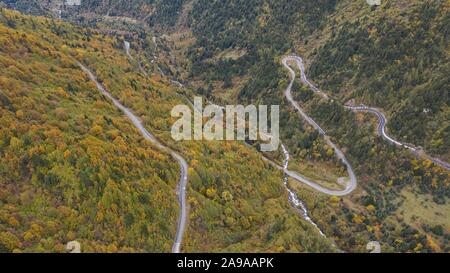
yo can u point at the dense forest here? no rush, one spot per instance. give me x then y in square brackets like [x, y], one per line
[399, 63]
[394, 57]
[357, 51]
[73, 168]
[150, 11]
[256, 27]
[390, 57]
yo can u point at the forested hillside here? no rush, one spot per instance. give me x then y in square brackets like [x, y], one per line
[353, 51]
[28, 6]
[260, 29]
[394, 57]
[73, 168]
[151, 11]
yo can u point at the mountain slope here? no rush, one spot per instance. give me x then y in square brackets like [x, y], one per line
[76, 169]
[72, 166]
[234, 56]
[395, 58]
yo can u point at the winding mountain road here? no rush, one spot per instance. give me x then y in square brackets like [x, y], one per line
[381, 125]
[382, 120]
[183, 177]
[352, 183]
[381, 129]
[350, 186]
[181, 191]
